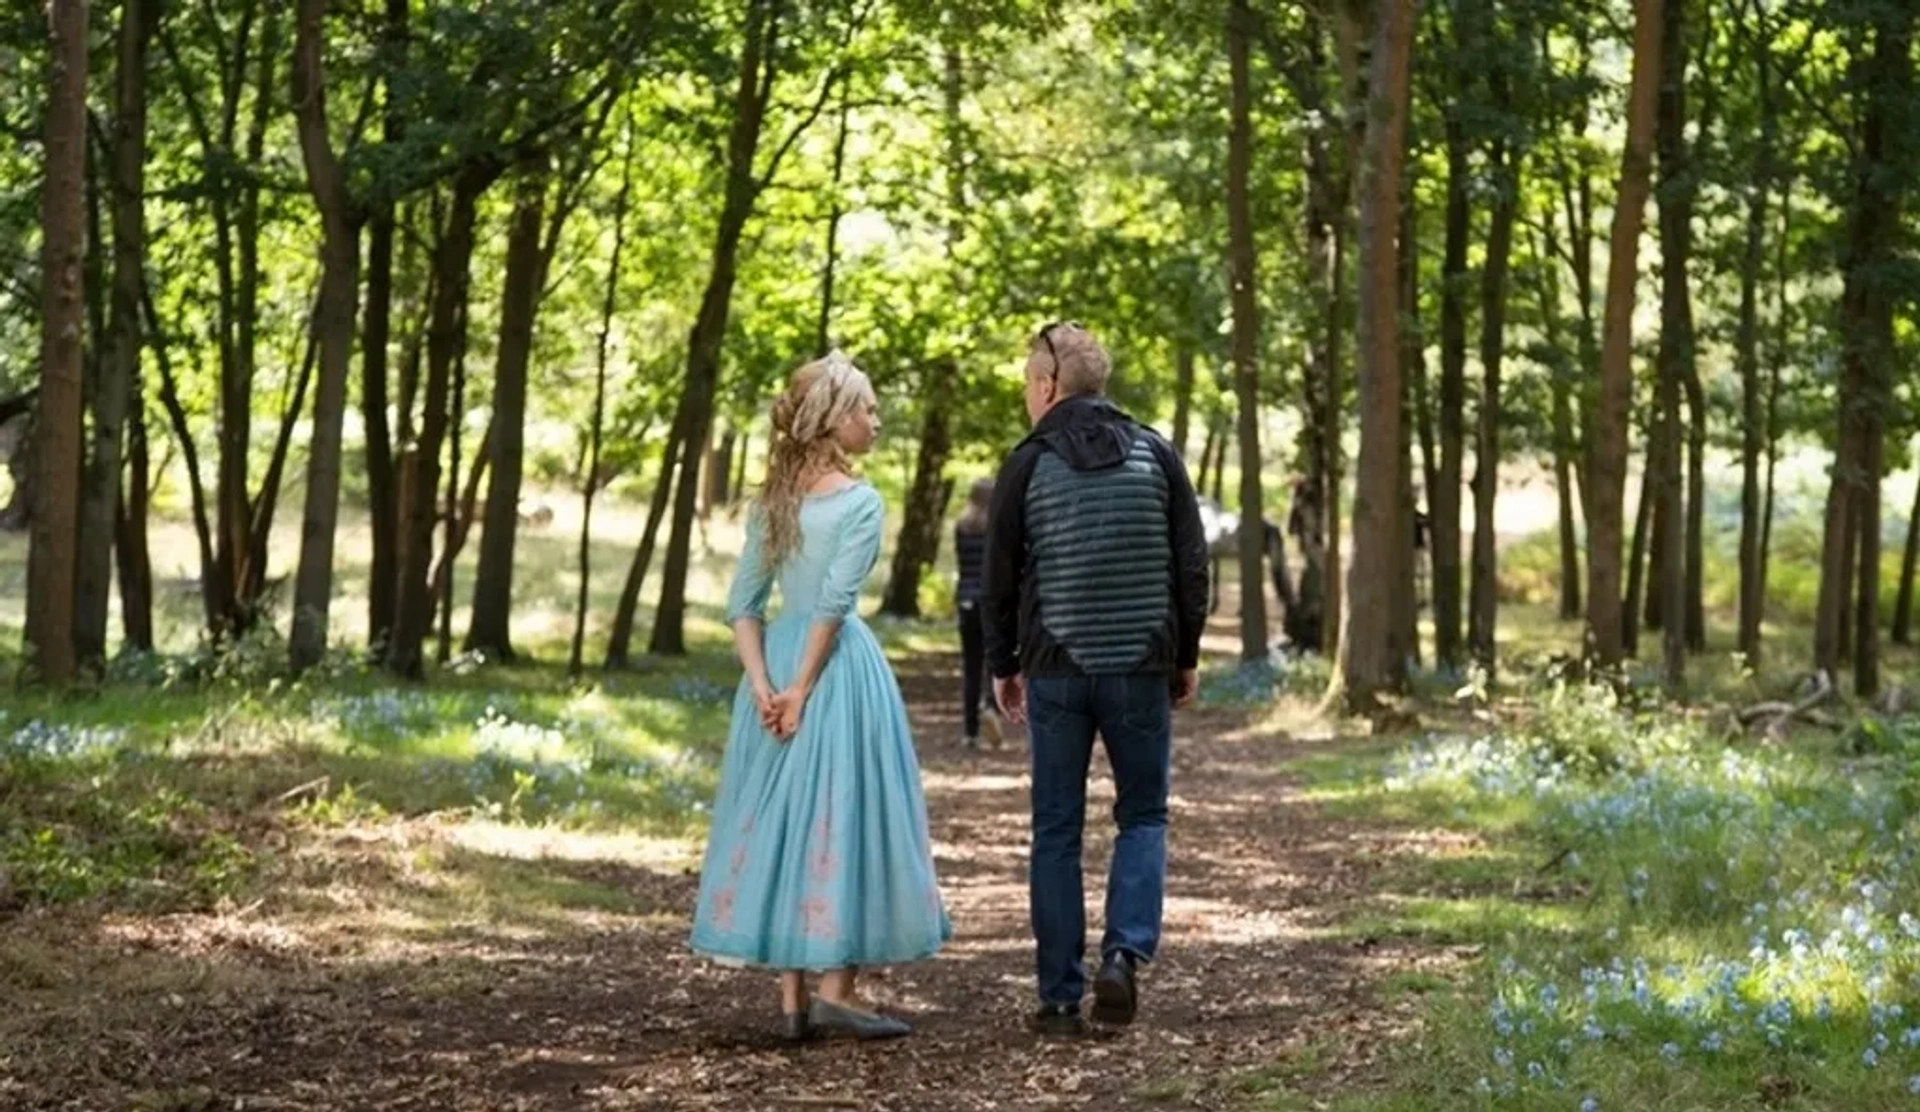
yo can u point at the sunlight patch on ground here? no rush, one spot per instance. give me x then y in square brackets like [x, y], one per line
[1224, 921]
[973, 782]
[537, 843]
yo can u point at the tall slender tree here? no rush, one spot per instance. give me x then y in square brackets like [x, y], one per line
[519, 300]
[1676, 335]
[383, 579]
[51, 556]
[1753, 440]
[1369, 664]
[919, 542]
[1607, 447]
[576, 657]
[762, 60]
[119, 369]
[334, 327]
[1504, 172]
[1883, 74]
[1246, 328]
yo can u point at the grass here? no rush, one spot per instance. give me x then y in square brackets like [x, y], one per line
[1666, 922]
[149, 799]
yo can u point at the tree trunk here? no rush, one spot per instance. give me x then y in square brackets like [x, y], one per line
[1654, 610]
[1903, 604]
[1563, 487]
[506, 447]
[1565, 443]
[620, 637]
[183, 434]
[1312, 520]
[246, 574]
[414, 604]
[120, 368]
[1576, 189]
[919, 541]
[1445, 495]
[1645, 537]
[457, 523]
[267, 500]
[836, 212]
[51, 581]
[1782, 345]
[710, 326]
[576, 657]
[1607, 449]
[1670, 543]
[1412, 402]
[1747, 347]
[334, 327]
[22, 458]
[1695, 586]
[1866, 622]
[1220, 464]
[1868, 298]
[1246, 331]
[1849, 556]
[131, 556]
[1483, 600]
[740, 466]
[1333, 462]
[1182, 394]
[1206, 458]
[383, 576]
[1368, 664]
[720, 471]
[1676, 341]
[462, 510]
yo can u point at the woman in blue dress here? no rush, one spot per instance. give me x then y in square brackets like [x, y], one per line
[818, 858]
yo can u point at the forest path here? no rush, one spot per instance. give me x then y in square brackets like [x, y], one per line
[451, 965]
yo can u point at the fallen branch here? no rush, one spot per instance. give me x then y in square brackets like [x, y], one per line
[316, 785]
[1778, 714]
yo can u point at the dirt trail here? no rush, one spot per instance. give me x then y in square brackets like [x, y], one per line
[617, 1014]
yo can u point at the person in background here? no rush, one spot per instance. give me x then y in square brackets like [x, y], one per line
[970, 552]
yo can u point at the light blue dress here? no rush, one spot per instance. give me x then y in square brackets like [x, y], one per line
[819, 857]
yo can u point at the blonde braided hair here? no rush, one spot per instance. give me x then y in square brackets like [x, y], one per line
[818, 398]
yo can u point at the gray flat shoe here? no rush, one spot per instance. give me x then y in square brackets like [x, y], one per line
[795, 1027]
[833, 1019]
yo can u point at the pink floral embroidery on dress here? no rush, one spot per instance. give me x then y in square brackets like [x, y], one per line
[822, 862]
[722, 911]
[817, 919]
[738, 861]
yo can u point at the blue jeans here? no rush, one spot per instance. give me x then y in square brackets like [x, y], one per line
[1134, 716]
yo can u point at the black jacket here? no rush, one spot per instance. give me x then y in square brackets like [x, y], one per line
[1091, 454]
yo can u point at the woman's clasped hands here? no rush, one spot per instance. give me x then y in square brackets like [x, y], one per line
[779, 710]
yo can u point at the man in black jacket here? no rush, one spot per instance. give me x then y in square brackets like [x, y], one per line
[1095, 594]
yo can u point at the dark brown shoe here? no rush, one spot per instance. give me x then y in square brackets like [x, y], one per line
[1115, 995]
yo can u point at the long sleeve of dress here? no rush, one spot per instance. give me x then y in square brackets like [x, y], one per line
[752, 579]
[856, 551]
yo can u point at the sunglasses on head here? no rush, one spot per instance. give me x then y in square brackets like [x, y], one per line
[1045, 336]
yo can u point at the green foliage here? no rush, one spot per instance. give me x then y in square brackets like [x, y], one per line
[169, 799]
[1706, 919]
[82, 817]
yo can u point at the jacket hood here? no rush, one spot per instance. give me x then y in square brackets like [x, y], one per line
[1089, 433]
